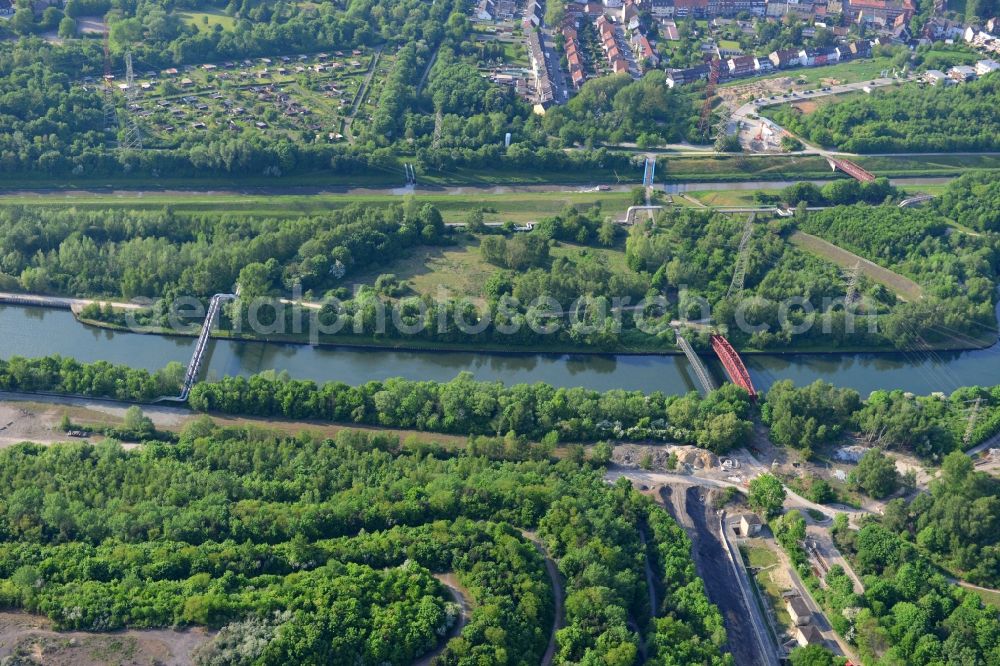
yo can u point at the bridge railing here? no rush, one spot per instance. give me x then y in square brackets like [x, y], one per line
[194, 365]
[700, 371]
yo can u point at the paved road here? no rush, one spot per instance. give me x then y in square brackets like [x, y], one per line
[819, 617]
[62, 302]
[556, 76]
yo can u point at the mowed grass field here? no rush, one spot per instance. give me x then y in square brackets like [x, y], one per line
[740, 167]
[206, 20]
[771, 579]
[460, 270]
[841, 73]
[902, 286]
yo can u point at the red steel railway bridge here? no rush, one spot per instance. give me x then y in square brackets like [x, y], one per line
[850, 168]
[731, 361]
[733, 364]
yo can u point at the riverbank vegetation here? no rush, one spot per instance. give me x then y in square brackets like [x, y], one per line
[930, 427]
[575, 281]
[462, 406]
[273, 541]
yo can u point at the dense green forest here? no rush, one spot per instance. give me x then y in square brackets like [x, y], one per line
[160, 254]
[906, 119]
[957, 524]
[909, 612]
[956, 270]
[972, 200]
[278, 543]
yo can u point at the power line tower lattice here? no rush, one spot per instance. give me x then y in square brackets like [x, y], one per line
[971, 425]
[133, 137]
[852, 276]
[110, 115]
[740, 269]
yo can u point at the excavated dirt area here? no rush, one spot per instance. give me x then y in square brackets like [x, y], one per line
[685, 504]
[30, 639]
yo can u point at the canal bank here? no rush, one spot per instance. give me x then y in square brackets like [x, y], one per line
[29, 331]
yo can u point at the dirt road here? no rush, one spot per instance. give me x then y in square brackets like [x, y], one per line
[559, 619]
[461, 597]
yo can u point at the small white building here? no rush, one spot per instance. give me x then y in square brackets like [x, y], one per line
[798, 611]
[936, 77]
[750, 524]
[962, 73]
[808, 635]
[984, 67]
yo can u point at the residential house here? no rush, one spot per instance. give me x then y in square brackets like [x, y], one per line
[987, 66]
[936, 77]
[940, 28]
[619, 66]
[785, 58]
[861, 49]
[690, 8]
[741, 66]
[879, 12]
[962, 73]
[901, 30]
[486, 10]
[643, 50]
[677, 77]
[827, 56]
[807, 57]
[762, 65]
[661, 8]
[731, 8]
[7, 8]
[972, 33]
[780, 9]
